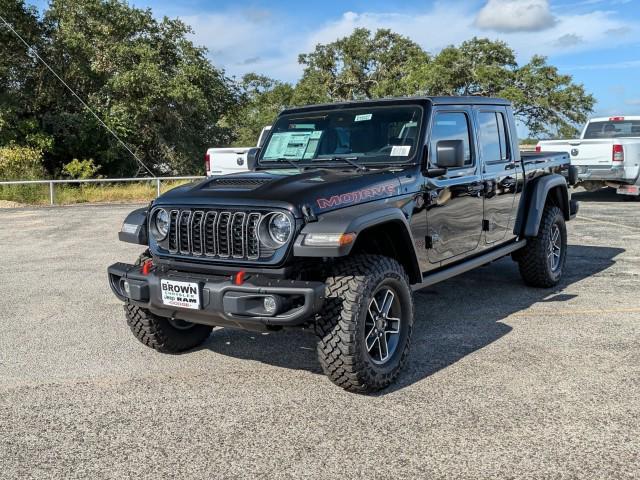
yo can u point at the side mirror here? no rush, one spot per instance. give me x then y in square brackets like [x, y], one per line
[450, 154]
[252, 158]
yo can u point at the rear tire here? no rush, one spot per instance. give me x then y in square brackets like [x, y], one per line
[163, 334]
[365, 328]
[542, 259]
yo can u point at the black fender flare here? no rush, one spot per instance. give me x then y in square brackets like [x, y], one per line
[357, 219]
[534, 200]
[134, 227]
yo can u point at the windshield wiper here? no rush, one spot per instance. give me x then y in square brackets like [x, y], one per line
[353, 161]
[290, 162]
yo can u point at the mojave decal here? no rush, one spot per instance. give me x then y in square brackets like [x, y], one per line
[369, 193]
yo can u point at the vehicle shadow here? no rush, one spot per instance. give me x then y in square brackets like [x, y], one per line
[604, 195]
[453, 318]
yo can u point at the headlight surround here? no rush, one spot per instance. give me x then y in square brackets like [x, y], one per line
[275, 230]
[160, 224]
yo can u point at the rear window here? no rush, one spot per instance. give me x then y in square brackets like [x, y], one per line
[613, 129]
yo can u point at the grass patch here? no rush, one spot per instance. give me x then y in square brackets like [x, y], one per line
[68, 194]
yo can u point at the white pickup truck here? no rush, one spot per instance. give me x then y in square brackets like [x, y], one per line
[222, 161]
[606, 154]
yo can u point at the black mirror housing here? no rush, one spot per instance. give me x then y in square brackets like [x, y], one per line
[252, 158]
[450, 154]
[436, 172]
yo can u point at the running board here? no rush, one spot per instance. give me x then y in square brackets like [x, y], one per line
[467, 265]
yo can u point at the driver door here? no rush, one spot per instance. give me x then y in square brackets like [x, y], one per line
[455, 206]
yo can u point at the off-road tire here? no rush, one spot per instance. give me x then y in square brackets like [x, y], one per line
[158, 333]
[533, 261]
[341, 325]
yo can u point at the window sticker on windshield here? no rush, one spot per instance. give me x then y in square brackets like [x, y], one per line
[364, 117]
[400, 150]
[287, 145]
[312, 145]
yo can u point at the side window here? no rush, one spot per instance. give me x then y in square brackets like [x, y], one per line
[493, 139]
[451, 126]
[505, 154]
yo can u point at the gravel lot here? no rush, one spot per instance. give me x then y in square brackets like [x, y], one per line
[504, 381]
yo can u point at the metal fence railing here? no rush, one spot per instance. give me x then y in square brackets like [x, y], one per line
[52, 192]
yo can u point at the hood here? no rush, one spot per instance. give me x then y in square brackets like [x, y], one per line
[321, 189]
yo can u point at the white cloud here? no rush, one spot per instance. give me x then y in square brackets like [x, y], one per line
[245, 41]
[515, 16]
[248, 41]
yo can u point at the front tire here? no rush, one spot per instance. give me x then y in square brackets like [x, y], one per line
[542, 259]
[365, 328]
[163, 334]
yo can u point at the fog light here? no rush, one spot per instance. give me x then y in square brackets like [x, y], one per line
[127, 288]
[270, 305]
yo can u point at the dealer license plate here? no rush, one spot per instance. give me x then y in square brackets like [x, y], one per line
[180, 294]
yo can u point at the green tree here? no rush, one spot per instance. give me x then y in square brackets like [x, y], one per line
[262, 99]
[142, 76]
[543, 99]
[362, 65]
[476, 67]
[19, 75]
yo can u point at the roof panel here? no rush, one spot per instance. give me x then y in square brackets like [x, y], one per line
[435, 100]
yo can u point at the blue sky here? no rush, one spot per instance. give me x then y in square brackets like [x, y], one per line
[596, 41]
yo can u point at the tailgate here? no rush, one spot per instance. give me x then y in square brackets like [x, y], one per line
[228, 159]
[592, 152]
[583, 152]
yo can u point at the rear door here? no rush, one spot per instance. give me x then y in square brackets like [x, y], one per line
[499, 172]
[454, 211]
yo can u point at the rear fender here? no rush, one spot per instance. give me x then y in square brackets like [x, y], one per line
[535, 197]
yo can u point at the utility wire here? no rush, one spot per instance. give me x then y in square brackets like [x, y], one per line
[142, 164]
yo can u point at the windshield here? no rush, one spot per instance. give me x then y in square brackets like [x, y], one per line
[613, 129]
[367, 135]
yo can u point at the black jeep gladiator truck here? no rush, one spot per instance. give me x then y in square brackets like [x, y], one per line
[347, 209]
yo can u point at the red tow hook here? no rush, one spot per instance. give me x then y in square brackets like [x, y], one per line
[146, 267]
[238, 278]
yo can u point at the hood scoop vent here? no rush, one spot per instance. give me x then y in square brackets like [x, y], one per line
[236, 183]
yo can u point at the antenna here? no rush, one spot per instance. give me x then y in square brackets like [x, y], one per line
[33, 50]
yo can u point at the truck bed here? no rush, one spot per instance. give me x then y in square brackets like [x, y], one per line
[533, 160]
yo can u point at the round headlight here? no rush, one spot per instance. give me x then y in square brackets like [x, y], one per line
[280, 228]
[161, 224]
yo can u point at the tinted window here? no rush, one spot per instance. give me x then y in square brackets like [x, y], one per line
[493, 140]
[451, 126]
[489, 136]
[504, 139]
[363, 134]
[613, 129]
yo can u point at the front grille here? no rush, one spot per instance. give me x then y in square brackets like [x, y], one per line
[216, 234]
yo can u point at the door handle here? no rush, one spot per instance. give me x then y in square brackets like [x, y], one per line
[510, 166]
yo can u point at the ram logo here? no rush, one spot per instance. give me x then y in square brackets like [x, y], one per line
[575, 152]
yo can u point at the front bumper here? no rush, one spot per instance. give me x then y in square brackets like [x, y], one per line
[222, 302]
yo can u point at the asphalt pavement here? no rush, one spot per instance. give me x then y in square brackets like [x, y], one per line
[504, 381]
